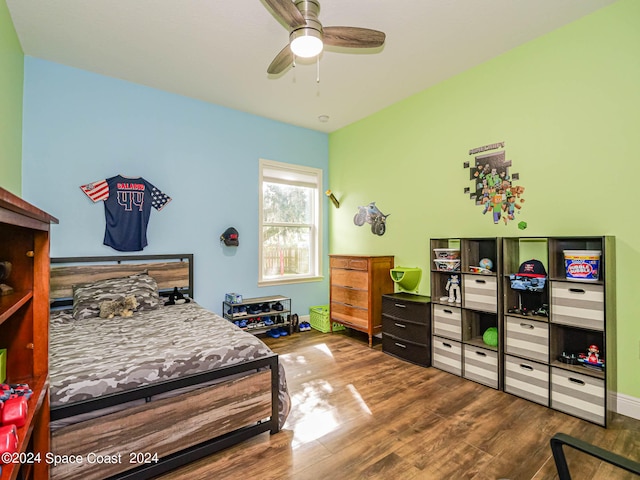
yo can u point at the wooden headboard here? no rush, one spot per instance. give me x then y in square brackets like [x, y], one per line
[169, 271]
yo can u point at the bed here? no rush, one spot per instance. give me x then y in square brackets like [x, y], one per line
[135, 397]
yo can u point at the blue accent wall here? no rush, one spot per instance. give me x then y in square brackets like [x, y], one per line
[81, 127]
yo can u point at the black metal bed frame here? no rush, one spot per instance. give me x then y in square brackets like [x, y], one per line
[561, 439]
[188, 455]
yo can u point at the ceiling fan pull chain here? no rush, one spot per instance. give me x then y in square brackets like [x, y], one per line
[318, 69]
[293, 67]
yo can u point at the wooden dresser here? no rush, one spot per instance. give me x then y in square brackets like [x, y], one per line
[357, 285]
[24, 326]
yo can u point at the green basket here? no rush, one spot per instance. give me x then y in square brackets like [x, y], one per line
[319, 319]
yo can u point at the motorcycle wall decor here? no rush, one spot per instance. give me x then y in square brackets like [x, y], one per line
[372, 215]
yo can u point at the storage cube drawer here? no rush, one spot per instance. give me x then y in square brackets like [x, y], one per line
[577, 304]
[447, 321]
[407, 350]
[416, 332]
[529, 380]
[350, 279]
[349, 262]
[527, 338]
[350, 296]
[447, 355]
[415, 312]
[481, 365]
[480, 293]
[578, 395]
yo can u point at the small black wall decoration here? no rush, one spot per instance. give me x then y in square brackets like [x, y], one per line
[494, 188]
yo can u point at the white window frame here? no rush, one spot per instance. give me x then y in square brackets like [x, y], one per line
[293, 175]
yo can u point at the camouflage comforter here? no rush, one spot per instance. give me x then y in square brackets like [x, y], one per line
[96, 356]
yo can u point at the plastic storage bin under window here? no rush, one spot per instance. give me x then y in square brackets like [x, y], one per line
[319, 319]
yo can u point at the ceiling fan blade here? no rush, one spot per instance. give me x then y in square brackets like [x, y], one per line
[287, 11]
[281, 62]
[352, 37]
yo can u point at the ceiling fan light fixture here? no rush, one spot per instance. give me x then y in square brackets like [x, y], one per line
[306, 42]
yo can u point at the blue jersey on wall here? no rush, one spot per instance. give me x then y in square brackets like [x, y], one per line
[127, 208]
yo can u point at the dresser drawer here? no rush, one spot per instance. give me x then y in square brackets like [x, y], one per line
[447, 321]
[527, 338]
[578, 304]
[350, 296]
[350, 278]
[357, 317]
[480, 292]
[529, 380]
[352, 263]
[481, 365]
[415, 312]
[415, 332]
[447, 355]
[578, 395]
[407, 350]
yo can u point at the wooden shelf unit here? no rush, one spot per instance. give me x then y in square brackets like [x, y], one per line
[24, 322]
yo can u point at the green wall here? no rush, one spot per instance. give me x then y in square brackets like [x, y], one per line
[567, 106]
[11, 80]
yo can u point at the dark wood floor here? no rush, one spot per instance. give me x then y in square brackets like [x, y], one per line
[360, 413]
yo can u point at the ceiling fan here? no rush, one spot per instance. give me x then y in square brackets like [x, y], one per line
[307, 36]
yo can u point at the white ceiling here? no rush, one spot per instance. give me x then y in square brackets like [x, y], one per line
[218, 50]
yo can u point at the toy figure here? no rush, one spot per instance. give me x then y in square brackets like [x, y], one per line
[453, 289]
[593, 355]
[592, 358]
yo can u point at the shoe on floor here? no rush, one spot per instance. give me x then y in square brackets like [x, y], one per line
[283, 331]
[273, 333]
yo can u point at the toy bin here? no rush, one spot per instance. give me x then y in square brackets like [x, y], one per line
[447, 265]
[447, 253]
[319, 319]
[582, 264]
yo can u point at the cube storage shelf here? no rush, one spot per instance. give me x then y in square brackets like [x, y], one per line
[533, 357]
[459, 325]
[255, 322]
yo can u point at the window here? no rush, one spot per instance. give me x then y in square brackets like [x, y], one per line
[290, 233]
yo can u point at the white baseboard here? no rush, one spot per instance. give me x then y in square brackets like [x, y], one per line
[625, 405]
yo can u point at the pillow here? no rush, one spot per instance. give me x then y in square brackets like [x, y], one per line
[87, 297]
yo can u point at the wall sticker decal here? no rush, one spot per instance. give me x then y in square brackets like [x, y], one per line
[494, 188]
[370, 214]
